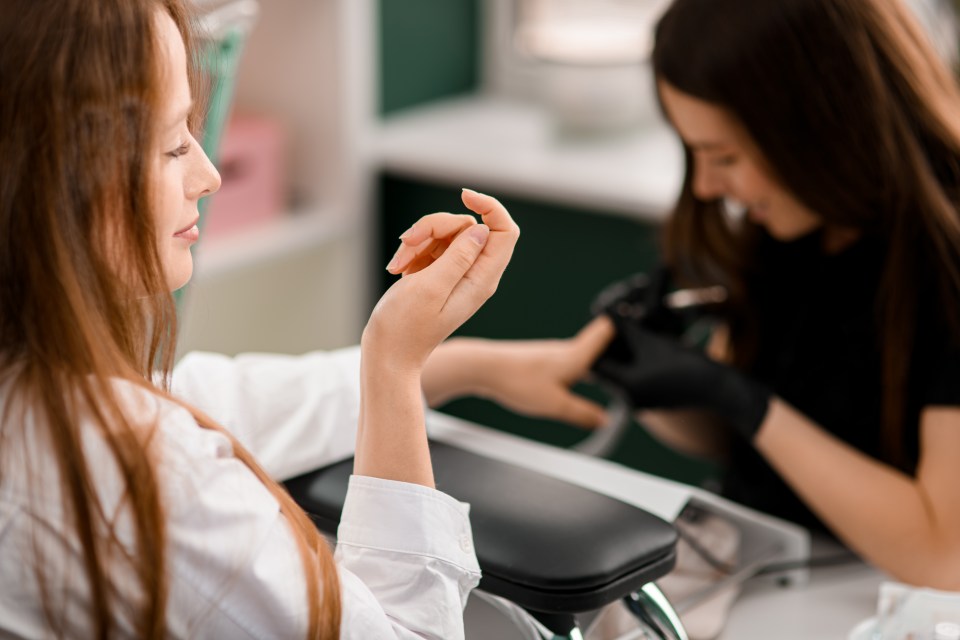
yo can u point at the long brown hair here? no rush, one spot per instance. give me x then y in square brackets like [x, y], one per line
[83, 298]
[857, 117]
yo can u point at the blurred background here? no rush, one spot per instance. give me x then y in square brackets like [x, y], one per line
[350, 119]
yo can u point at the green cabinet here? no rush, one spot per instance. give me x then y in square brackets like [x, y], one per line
[428, 49]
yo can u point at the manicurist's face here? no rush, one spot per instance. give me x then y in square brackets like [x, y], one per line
[181, 171]
[727, 165]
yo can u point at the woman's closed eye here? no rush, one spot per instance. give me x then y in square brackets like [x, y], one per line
[724, 160]
[180, 151]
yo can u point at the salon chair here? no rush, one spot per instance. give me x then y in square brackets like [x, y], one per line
[549, 550]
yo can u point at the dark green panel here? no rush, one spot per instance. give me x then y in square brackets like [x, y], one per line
[429, 49]
[564, 257]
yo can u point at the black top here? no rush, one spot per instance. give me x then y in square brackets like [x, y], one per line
[819, 351]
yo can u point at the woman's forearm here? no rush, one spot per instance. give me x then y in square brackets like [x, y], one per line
[455, 369]
[529, 377]
[391, 436]
[694, 433]
[891, 519]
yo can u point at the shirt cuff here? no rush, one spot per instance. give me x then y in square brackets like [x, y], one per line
[407, 518]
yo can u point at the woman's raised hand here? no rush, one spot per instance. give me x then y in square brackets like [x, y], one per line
[451, 265]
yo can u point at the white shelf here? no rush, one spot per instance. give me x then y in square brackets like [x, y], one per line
[285, 236]
[512, 147]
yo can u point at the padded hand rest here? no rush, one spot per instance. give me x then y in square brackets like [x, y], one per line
[545, 544]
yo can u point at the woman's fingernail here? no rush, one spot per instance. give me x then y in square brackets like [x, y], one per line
[479, 233]
[406, 234]
[394, 262]
[470, 191]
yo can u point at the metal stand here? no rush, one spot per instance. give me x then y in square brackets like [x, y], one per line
[649, 606]
[654, 611]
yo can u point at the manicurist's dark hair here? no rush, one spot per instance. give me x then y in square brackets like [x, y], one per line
[856, 116]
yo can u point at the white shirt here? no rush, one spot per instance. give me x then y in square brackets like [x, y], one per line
[405, 552]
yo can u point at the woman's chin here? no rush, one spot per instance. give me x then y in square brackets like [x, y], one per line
[788, 233]
[179, 277]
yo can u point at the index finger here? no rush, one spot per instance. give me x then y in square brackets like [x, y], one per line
[494, 214]
[424, 235]
[504, 232]
[437, 225]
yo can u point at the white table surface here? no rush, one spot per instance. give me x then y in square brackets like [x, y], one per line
[832, 603]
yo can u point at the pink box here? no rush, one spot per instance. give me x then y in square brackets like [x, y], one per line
[252, 168]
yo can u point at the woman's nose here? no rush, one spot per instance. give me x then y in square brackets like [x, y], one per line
[206, 178]
[707, 185]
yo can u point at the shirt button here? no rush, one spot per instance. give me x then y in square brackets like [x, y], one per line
[465, 544]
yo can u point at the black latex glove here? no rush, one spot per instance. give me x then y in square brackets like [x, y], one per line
[641, 297]
[662, 374]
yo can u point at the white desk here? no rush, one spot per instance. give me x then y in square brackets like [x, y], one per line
[834, 601]
[828, 606]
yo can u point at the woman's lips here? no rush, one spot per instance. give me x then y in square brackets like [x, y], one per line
[190, 234]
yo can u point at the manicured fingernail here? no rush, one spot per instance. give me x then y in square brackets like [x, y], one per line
[394, 262]
[479, 233]
[470, 191]
[406, 234]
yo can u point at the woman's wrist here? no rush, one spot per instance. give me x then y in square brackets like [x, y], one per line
[378, 354]
[391, 438]
[767, 430]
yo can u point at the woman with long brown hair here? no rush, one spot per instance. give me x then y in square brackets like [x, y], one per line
[125, 511]
[822, 143]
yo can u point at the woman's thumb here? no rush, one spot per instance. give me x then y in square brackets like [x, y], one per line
[461, 254]
[593, 339]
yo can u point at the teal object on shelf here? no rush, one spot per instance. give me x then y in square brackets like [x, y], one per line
[219, 61]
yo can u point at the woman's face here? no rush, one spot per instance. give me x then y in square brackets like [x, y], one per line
[182, 173]
[728, 165]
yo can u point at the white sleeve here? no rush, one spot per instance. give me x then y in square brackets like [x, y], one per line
[405, 553]
[294, 413]
[399, 544]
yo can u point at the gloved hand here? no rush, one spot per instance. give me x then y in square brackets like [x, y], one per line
[639, 298]
[642, 298]
[662, 374]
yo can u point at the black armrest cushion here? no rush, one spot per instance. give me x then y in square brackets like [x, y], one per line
[545, 544]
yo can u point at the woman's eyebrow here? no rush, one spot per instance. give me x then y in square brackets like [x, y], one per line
[708, 146]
